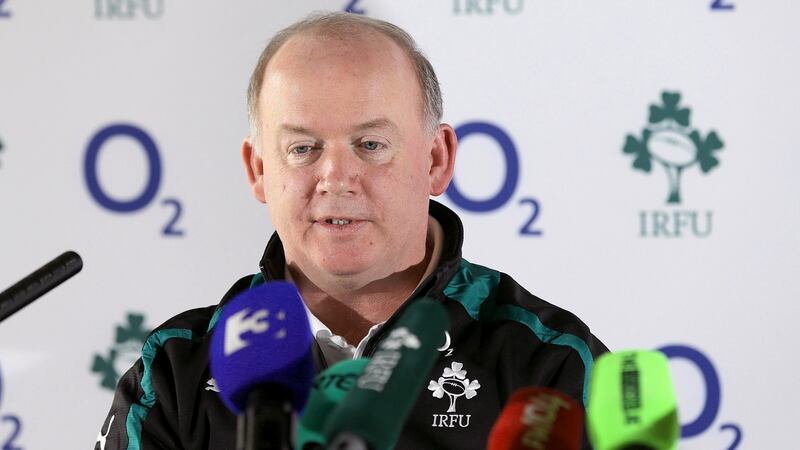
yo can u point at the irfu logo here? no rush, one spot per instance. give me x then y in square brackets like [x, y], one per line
[670, 142]
[487, 7]
[453, 383]
[128, 9]
[123, 353]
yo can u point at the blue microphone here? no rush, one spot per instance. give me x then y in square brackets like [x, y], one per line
[261, 360]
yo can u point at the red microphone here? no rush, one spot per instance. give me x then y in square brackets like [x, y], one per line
[537, 418]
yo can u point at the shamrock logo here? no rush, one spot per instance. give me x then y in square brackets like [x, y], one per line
[129, 340]
[670, 110]
[454, 383]
[669, 141]
[400, 337]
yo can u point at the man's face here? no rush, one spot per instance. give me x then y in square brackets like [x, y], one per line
[348, 165]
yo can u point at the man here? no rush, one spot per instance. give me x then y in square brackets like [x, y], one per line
[345, 149]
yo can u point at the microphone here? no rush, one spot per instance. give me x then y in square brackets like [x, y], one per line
[632, 402]
[39, 283]
[537, 418]
[261, 360]
[329, 389]
[372, 414]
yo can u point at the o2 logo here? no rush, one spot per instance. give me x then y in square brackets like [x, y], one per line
[4, 12]
[148, 146]
[722, 5]
[710, 410]
[352, 7]
[511, 178]
[8, 439]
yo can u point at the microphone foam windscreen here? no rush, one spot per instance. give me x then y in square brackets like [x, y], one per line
[378, 406]
[263, 337]
[538, 418]
[632, 402]
[330, 387]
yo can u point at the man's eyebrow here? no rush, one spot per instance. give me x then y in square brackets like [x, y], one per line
[294, 129]
[380, 123]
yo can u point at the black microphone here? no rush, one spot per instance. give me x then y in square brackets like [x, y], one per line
[39, 283]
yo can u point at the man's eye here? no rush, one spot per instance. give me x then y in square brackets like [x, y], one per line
[301, 149]
[371, 145]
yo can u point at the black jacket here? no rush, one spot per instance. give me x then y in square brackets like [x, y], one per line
[503, 338]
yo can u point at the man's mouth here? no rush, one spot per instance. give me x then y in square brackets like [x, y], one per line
[338, 221]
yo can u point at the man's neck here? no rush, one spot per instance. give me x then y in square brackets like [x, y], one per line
[350, 313]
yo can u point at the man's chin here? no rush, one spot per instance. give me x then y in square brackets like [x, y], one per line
[346, 271]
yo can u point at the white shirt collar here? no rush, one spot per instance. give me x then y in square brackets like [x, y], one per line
[336, 348]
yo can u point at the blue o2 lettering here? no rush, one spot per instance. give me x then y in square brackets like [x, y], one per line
[512, 169]
[169, 229]
[528, 228]
[90, 168]
[722, 5]
[510, 179]
[10, 442]
[352, 7]
[737, 435]
[711, 380]
[4, 12]
[150, 149]
[713, 394]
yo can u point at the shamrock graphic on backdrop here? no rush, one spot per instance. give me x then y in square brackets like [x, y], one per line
[454, 383]
[670, 141]
[125, 351]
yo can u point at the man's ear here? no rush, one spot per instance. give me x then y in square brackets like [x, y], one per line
[254, 167]
[443, 158]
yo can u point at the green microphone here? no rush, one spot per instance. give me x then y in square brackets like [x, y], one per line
[632, 402]
[328, 390]
[372, 414]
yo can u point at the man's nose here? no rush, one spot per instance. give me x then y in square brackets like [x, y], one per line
[340, 171]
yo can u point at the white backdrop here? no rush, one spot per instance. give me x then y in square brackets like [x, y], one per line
[565, 81]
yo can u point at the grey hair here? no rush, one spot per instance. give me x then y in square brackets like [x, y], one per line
[341, 24]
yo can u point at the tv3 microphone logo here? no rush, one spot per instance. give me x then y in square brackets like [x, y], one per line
[713, 394]
[669, 141]
[8, 438]
[510, 178]
[244, 322]
[100, 141]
